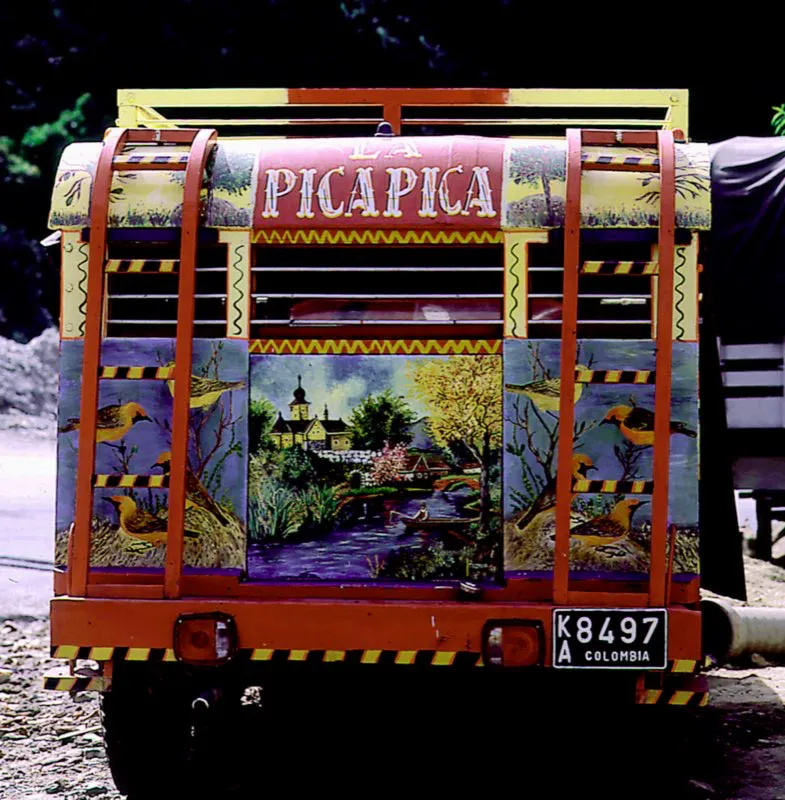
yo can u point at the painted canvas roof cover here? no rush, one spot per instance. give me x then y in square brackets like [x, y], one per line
[467, 182]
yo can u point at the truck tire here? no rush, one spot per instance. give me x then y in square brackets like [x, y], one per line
[147, 736]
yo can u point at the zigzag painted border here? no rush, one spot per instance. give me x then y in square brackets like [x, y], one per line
[344, 237]
[375, 347]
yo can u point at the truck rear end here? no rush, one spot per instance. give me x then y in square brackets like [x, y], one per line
[312, 389]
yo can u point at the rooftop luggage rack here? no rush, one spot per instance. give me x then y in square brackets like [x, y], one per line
[283, 113]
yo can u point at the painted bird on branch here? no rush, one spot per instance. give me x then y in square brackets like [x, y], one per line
[545, 393]
[140, 524]
[581, 464]
[112, 422]
[205, 392]
[195, 493]
[637, 424]
[609, 528]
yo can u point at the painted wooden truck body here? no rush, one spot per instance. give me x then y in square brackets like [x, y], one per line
[379, 329]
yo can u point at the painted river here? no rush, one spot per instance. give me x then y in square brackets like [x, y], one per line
[349, 551]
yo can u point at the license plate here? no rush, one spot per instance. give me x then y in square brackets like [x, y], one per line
[610, 638]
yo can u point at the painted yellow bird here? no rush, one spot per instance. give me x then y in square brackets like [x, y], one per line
[205, 392]
[112, 422]
[195, 493]
[581, 464]
[637, 424]
[609, 528]
[140, 524]
[545, 393]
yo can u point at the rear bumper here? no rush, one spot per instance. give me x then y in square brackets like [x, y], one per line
[437, 633]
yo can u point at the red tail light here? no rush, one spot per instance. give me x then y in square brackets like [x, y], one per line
[513, 643]
[207, 639]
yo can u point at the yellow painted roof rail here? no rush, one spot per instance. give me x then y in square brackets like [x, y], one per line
[518, 113]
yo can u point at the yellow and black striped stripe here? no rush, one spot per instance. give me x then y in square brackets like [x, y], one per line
[142, 265]
[684, 666]
[619, 268]
[631, 376]
[612, 487]
[672, 697]
[72, 651]
[604, 160]
[433, 658]
[122, 481]
[75, 683]
[136, 373]
[157, 158]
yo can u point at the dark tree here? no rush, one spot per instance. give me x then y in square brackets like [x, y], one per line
[381, 418]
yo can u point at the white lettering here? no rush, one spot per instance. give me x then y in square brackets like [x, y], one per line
[480, 185]
[405, 148]
[395, 189]
[306, 194]
[428, 207]
[359, 153]
[444, 193]
[361, 196]
[562, 628]
[324, 194]
[273, 190]
[652, 622]
[565, 656]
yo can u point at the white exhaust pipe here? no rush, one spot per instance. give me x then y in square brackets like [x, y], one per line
[733, 631]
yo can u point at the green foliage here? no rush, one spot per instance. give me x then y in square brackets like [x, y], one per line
[379, 419]
[68, 127]
[261, 418]
[297, 469]
[272, 512]
[533, 164]
[367, 491]
[778, 120]
[321, 510]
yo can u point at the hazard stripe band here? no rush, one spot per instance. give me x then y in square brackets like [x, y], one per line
[619, 268]
[122, 481]
[143, 158]
[613, 487]
[141, 265]
[136, 373]
[74, 683]
[631, 376]
[435, 658]
[671, 697]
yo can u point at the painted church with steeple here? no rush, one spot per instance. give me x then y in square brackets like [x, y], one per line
[308, 431]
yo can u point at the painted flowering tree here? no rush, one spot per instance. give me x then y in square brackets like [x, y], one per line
[464, 399]
[389, 464]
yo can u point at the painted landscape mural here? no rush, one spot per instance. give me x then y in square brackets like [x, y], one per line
[134, 438]
[375, 467]
[612, 440]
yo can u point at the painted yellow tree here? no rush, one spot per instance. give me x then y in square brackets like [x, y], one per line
[464, 399]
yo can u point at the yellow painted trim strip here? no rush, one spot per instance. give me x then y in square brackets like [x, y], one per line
[684, 665]
[101, 653]
[637, 488]
[609, 486]
[362, 237]
[66, 651]
[370, 657]
[263, 654]
[642, 376]
[651, 696]
[334, 655]
[405, 657]
[138, 654]
[680, 698]
[580, 486]
[378, 347]
[298, 655]
[443, 659]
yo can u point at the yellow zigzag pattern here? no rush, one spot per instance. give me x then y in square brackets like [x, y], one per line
[376, 237]
[367, 348]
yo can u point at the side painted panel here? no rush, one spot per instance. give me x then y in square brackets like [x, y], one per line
[135, 422]
[613, 457]
[375, 466]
